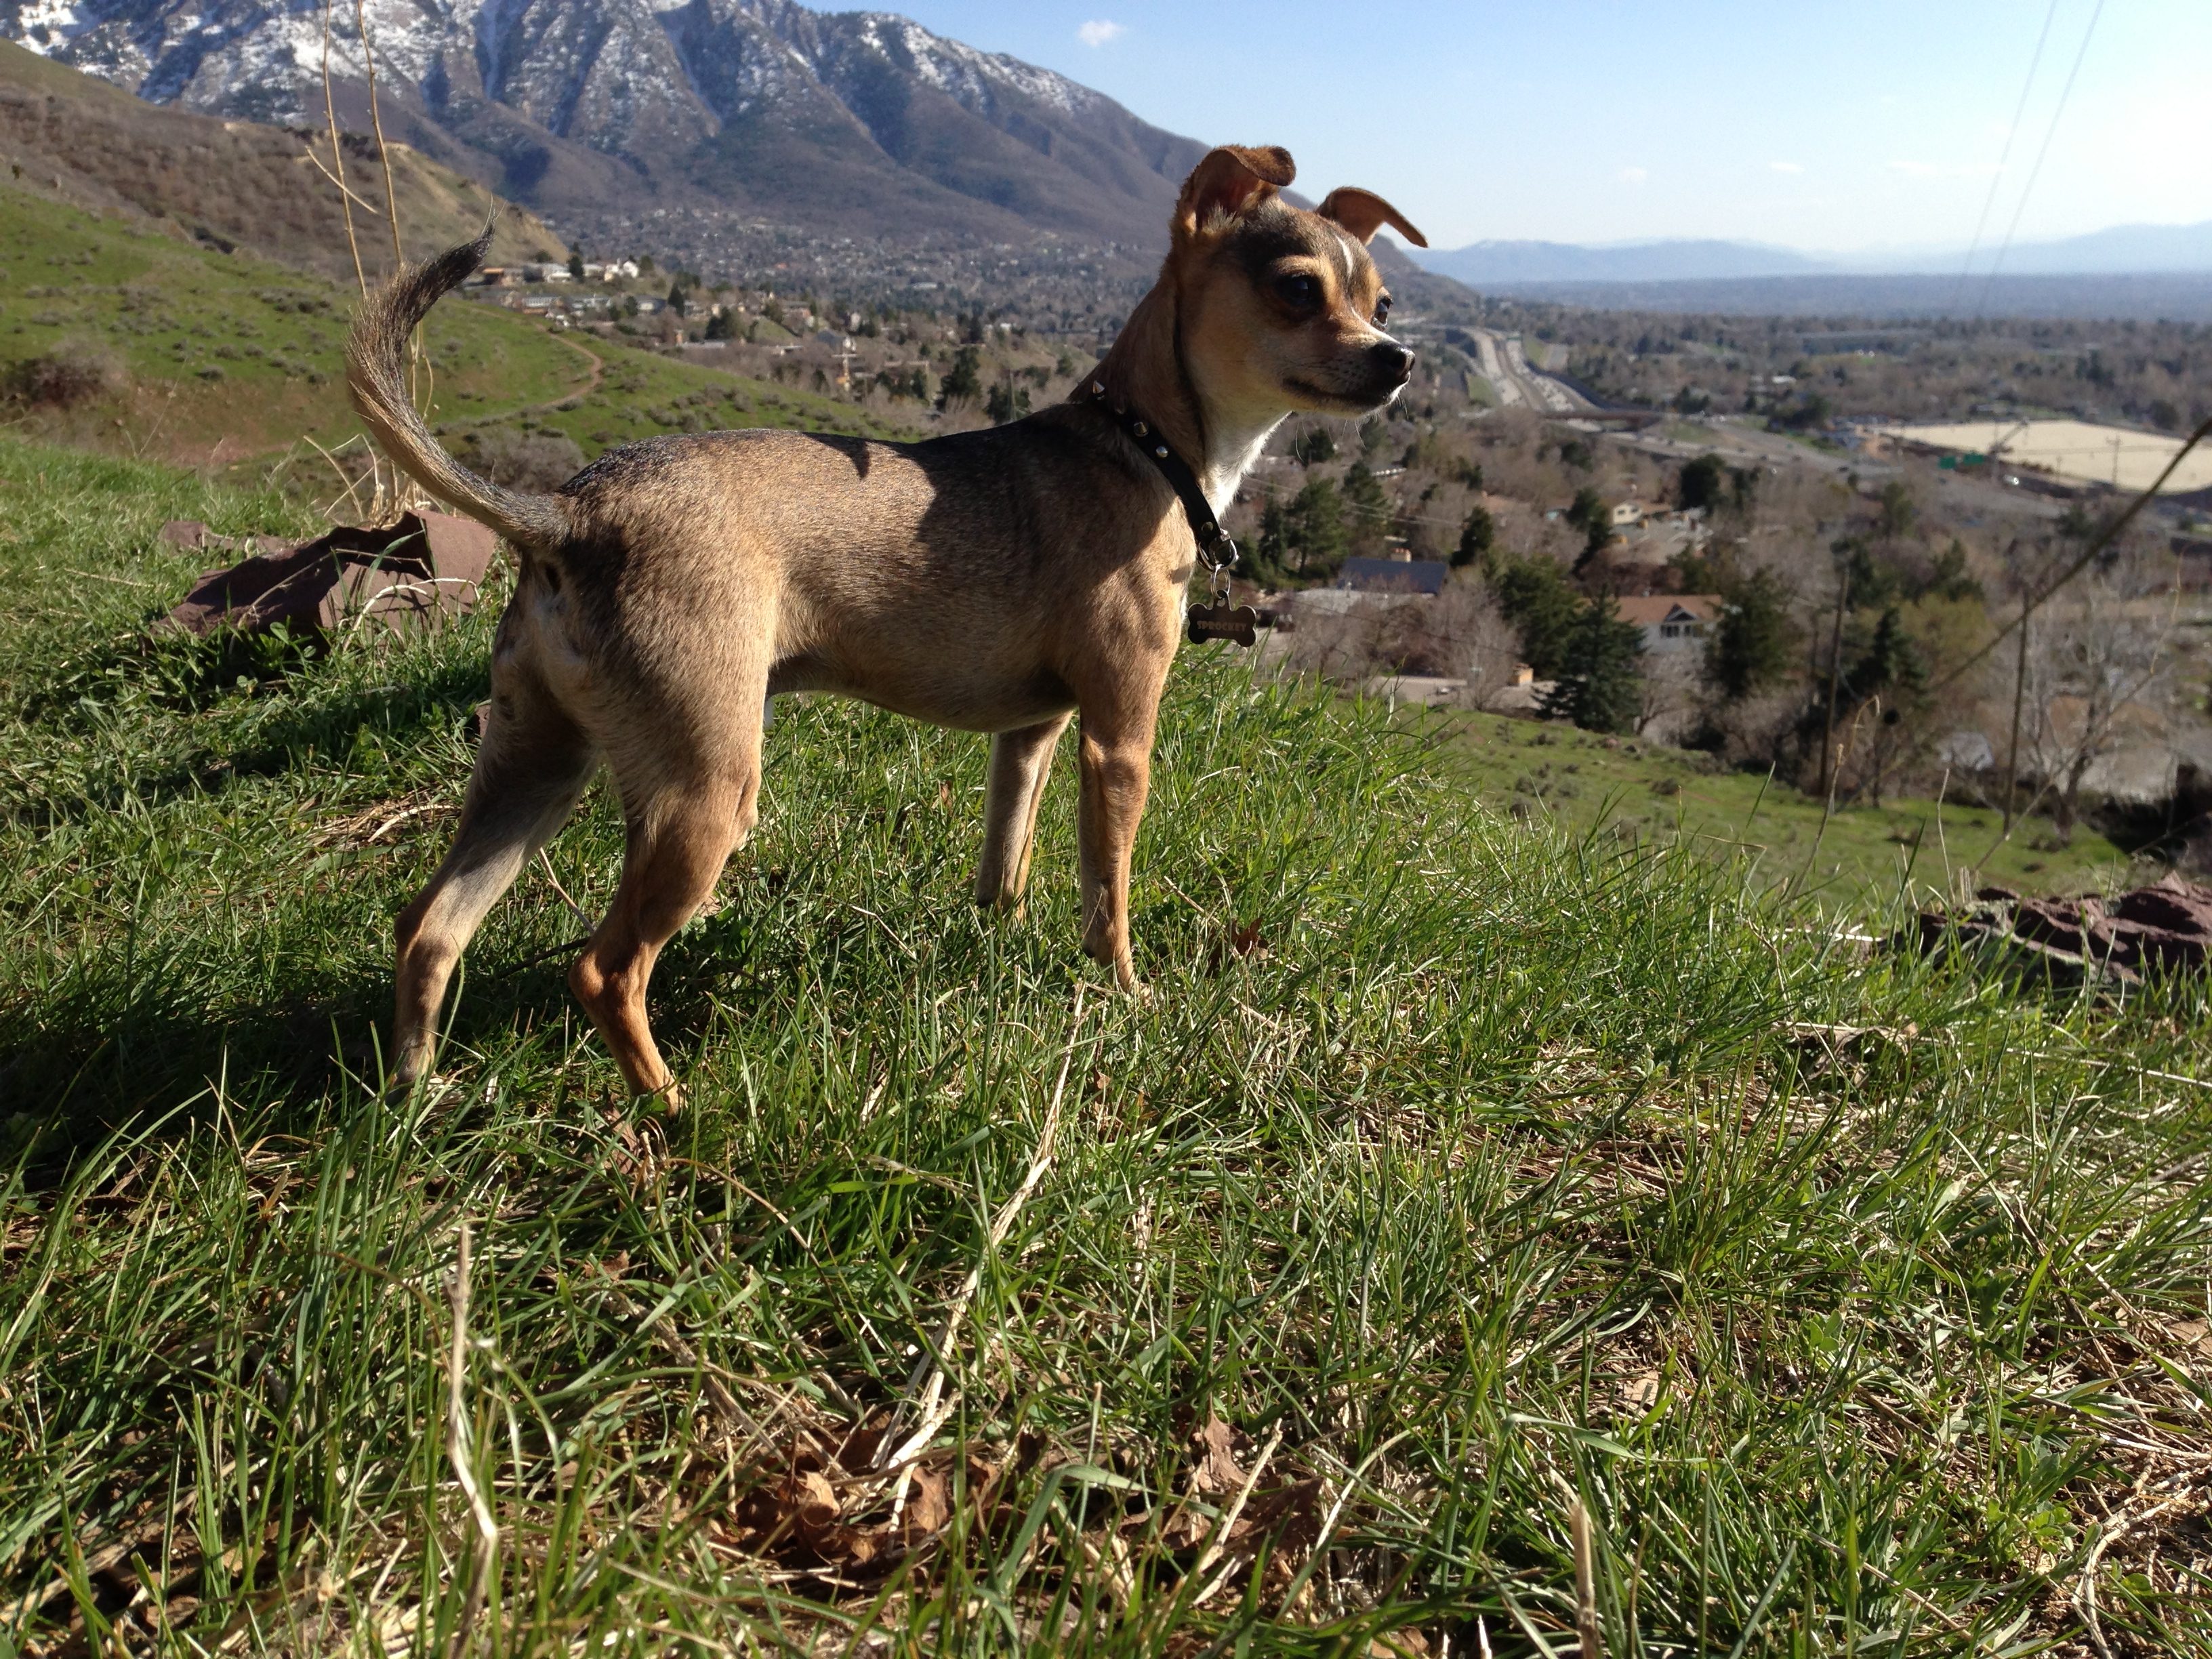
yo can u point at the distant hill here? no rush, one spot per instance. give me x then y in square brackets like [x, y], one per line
[230, 184]
[2123, 249]
[2175, 296]
[1500, 265]
[2128, 250]
[859, 123]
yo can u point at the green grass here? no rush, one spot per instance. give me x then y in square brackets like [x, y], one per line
[1853, 1296]
[229, 358]
[641, 395]
[1859, 857]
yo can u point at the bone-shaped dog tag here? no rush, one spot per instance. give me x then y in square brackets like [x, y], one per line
[1239, 623]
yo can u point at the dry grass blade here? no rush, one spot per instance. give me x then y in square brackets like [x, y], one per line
[1586, 1626]
[928, 1377]
[458, 1452]
[2086, 1595]
[337, 156]
[1218, 1546]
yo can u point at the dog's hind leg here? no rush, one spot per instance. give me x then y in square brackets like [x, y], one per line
[533, 764]
[1020, 762]
[681, 829]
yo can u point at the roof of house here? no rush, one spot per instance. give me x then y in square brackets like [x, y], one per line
[1394, 575]
[1648, 610]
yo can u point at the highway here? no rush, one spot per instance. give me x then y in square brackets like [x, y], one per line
[1519, 384]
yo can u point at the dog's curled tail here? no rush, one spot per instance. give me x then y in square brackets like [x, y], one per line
[376, 361]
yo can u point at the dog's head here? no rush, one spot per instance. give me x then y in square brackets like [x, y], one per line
[1281, 306]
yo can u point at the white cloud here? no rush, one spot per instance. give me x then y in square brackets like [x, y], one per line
[1634, 175]
[1098, 31]
[1786, 166]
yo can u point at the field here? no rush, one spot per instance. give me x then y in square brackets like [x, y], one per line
[1457, 1173]
[1849, 862]
[226, 360]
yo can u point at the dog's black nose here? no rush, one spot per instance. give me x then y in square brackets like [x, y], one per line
[1393, 360]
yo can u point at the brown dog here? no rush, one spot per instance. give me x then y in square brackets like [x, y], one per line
[995, 581]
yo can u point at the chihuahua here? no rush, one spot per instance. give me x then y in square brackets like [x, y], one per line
[999, 581]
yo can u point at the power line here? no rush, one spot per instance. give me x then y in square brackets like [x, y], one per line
[1996, 178]
[2050, 132]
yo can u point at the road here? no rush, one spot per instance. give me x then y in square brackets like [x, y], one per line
[1519, 384]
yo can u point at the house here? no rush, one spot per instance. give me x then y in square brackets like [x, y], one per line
[1626, 515]
[1422, 576]
[1671, 622]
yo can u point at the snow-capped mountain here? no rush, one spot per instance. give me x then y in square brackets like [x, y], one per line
[858, 121]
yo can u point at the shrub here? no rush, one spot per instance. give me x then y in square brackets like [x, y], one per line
[73, 373]
[522, 461]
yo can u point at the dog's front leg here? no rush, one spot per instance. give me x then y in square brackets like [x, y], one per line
[1020, 762]
[1117, 765]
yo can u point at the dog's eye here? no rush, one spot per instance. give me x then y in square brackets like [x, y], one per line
[1299, 291]
[1382, 311]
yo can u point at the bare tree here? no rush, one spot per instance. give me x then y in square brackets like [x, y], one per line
[1456, 634]
[2089, 660]
[1672, 682]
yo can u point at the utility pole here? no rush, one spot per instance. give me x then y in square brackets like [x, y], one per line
[2019, 696]
[1842, 551]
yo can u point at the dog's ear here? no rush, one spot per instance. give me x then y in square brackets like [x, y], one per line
[1230, 182]
[1363, 213]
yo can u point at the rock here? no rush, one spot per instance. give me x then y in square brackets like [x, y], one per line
[2163, 928]
[427, 567]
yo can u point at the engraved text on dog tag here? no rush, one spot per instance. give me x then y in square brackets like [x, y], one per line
[1239, 623]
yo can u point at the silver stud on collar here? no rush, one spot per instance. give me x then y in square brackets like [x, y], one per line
[1140, 428]
[1162, 452]
[1097, 388]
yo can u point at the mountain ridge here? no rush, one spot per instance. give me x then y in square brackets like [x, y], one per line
[2118, 250]
[862, 123]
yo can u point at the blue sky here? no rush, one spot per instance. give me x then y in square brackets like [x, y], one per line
[1816, 124]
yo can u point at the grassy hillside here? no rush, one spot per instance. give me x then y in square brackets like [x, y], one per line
[1454, 1172]
[220, 357]
[1639, 792]
[71, 139]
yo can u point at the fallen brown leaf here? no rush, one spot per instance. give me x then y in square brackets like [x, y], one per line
[1217, 1473]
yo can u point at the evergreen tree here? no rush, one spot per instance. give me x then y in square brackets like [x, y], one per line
[1367, 508]
[1754, 643]
[1700, 483]
[964, 383]
[1536, 598]
[1272, 555]
[1317, 528]
[1007, 402]
[1476, 538]
[1898, 512]
[1948, 577]
[1589, 513]
[1889, 668]
[1312, 446]
[1599, 686]
[722, 325]
[576, 263]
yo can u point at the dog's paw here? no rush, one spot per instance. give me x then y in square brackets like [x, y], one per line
[1138, 991]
